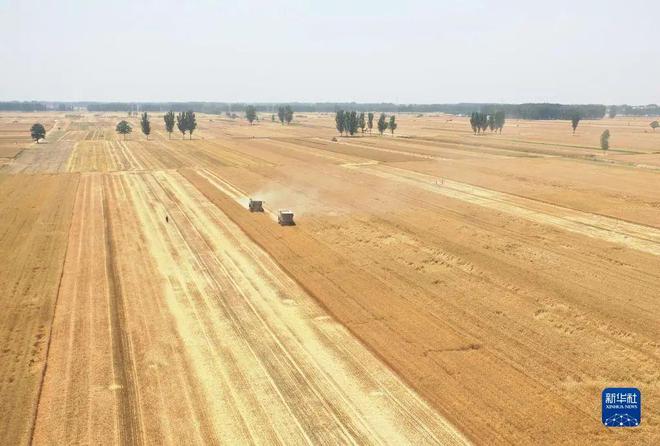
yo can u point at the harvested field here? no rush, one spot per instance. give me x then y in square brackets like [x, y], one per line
[35, 215]
[15, 135]
[439, 287]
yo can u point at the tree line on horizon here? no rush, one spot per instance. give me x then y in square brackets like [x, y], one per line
[515, 111]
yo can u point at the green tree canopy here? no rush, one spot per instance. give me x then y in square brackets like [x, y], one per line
[654, 125]
[250, 113]
[186, 122]
[370, 121]
[181, 123]
[474, 122]
[352, 123]
[339, 121]
[288, 114]
[38, 132]
[124, 128]
[169, 122]
[190, 121]
[145, 124]
[362, 122]
[479, 122]
[500, 118]
[392, 125]
[575, 120]
[382, 123]
[281, 114]
[483, 122]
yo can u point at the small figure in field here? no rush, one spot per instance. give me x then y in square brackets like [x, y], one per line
[167, 219]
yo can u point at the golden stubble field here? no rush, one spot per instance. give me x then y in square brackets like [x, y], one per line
[439, 287]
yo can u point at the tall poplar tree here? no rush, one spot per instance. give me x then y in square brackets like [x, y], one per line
[181, 123]
[145, 124]
[575, 120]
[392, 125]
[288, 114]
[499, 120]
[251, 114]
[169, 123]
[339, 121]
[382, 124]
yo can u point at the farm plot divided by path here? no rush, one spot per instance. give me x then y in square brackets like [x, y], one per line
[186, 331]
[438, 288]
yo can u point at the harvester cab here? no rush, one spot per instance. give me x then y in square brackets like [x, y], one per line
[285, 217]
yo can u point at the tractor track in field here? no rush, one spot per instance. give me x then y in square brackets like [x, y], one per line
[130, 429]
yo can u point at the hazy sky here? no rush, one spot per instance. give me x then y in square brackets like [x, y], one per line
[335, 50]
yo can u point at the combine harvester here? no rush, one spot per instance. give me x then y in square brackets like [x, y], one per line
[285, 217]
[256, 205]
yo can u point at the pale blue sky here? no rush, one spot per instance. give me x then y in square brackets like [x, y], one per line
[366, 51]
